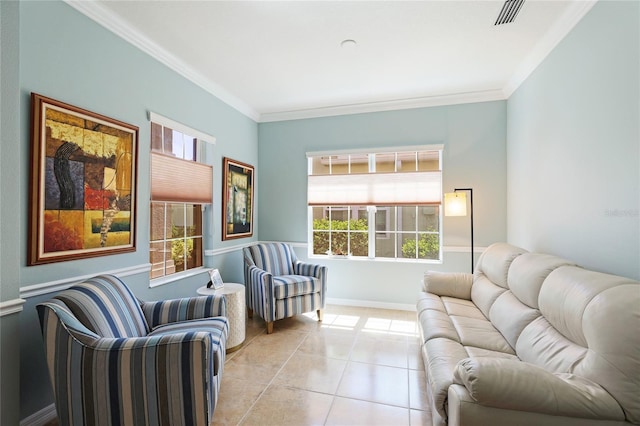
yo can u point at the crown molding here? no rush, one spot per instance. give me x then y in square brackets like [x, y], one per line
[104, 17]
[410, 103]
[574, 13]
[122, 29]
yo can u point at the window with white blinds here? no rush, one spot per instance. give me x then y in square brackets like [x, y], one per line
[376, 204]
[181, 185]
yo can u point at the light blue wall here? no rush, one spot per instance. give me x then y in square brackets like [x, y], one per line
[474, 155]
[574, 146]
[66, 56]
[9, 214]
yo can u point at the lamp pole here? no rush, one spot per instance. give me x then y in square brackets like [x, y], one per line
[471, 205]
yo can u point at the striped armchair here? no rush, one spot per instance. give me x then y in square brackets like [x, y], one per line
[116, 360]
[279, 286]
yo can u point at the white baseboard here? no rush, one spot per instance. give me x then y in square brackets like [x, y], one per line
[371, 304]
[41, 417]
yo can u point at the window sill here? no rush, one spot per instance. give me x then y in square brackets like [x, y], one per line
[167, 279]
[378, 259]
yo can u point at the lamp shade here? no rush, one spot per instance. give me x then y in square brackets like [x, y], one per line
[455, 204]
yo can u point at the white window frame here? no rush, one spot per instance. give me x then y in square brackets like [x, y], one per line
[372, 209]
[202, 140]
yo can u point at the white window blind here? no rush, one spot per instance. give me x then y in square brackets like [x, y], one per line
[375, 189]
[411, 177]
[177, 180]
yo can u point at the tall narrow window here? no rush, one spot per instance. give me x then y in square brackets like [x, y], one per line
[180, 187]
[383, 204]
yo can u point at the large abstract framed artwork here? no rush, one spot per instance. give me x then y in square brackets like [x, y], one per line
[237, 206]
[83, 183]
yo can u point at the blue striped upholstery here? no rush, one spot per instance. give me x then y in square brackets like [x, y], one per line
[109, 367]
[278, 285]
[106, 306]
[286, 286]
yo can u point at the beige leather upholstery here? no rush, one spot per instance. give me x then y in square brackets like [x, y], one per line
[530, 339]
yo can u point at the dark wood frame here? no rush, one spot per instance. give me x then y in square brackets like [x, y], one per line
[82, 202]
[230, 227]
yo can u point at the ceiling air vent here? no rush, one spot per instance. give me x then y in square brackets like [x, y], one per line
[509, 11]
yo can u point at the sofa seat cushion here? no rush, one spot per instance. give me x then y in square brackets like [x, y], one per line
[285, 286]
[462, 308]
[458, 320]
[480, 333]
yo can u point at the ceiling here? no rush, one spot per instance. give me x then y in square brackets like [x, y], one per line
[278, 60]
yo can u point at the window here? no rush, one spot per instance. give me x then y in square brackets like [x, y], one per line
[382, 204]
[180, 188]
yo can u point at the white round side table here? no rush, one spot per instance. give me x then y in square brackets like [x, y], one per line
[234, 293]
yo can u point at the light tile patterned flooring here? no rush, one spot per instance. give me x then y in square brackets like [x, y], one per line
[360, 366]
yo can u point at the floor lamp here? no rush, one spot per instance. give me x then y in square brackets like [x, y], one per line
[455, 204]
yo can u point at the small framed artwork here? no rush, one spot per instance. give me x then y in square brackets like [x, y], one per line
[237, 205]
[215, 279]
[83, 183]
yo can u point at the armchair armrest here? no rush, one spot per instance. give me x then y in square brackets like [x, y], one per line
[310, 269]
[517, 385]
[188, 308]
[451, 284]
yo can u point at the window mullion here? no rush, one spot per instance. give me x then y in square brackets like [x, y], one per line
[371, 218]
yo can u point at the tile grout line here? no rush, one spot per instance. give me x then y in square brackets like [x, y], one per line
[272, 379]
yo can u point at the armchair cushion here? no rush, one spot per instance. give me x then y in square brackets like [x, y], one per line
[277, 259]
[286, 286]
[106, 306]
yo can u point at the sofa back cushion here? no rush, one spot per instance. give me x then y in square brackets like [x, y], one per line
[106, 306]
[517, 306]
[490, 276]
[528, 272]
[589, 327]
[275, 258]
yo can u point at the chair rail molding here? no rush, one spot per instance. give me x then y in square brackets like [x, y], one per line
[9, 307]
[51, 286]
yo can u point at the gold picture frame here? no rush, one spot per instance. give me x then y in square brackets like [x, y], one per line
[237, 205]
[83, 183]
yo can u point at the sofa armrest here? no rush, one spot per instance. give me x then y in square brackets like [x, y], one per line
[516, 385]
[185, 309]
[451, 284]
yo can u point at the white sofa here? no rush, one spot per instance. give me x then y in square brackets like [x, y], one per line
[530, 339]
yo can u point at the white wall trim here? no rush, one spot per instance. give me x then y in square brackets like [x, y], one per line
[41, 417]
[399, 104]
[51, 286]
[103, 16]
[371, 304]
[462, 249]
[228, 249]
[574, 13]
[9, 307]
